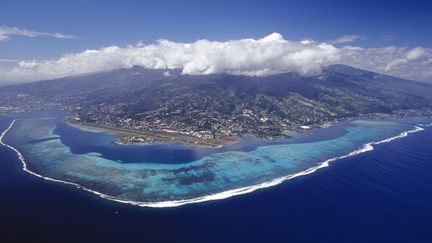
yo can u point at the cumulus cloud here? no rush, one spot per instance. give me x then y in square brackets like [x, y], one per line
[268, 55]
[7, 31]
[346, 39]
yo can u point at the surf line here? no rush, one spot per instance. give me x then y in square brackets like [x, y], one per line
[216, 196]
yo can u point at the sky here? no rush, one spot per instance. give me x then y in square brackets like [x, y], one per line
[49, 39]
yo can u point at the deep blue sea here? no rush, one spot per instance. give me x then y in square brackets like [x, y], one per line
[380, 196]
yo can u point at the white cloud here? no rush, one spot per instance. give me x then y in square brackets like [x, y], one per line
[7, 31]
[409, 63]
[410, 55]
[271, 54]
[346, 39]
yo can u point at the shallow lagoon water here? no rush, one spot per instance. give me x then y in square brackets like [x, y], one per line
[148, 182]
[82, 142]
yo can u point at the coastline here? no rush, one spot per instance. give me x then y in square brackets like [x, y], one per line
[149, 137]
[138, 137]
[216, 196]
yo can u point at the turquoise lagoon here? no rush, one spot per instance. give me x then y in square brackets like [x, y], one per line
[48, 150]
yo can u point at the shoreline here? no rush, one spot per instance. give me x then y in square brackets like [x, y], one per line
[216, 196]
[164, 137]
[153, 136]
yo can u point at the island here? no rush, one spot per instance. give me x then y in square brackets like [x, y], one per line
[237, 133]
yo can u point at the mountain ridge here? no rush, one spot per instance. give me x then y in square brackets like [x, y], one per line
[215, 106]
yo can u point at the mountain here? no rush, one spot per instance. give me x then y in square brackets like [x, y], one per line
[220, 105]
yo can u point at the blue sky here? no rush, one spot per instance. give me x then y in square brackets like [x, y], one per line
[98, 24]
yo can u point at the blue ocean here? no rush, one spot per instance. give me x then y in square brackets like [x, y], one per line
[384, 195]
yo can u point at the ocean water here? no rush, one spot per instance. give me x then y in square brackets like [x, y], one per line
[215, 176]
[384, 195]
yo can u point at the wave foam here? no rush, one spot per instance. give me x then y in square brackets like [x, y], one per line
[217, 196]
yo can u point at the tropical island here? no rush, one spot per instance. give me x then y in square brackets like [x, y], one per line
[339, 113]
[147, 105]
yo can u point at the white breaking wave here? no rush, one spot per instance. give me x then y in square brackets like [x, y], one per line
[220, 195]
[425, 125]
